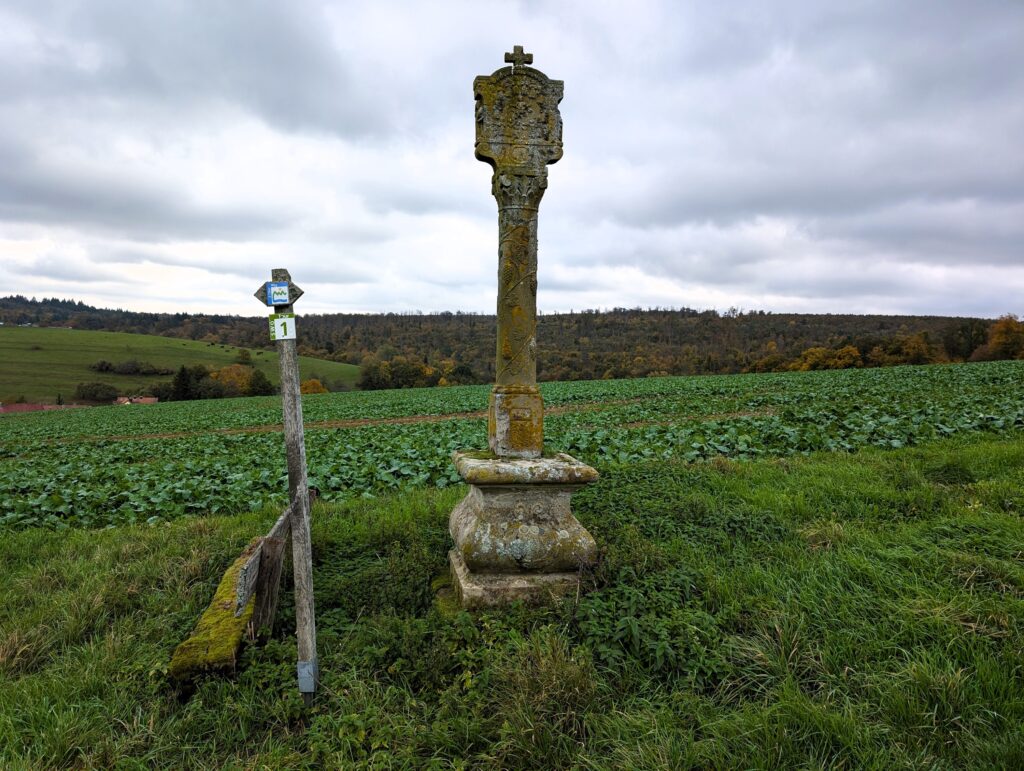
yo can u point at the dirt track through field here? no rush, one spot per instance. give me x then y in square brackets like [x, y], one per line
[270, 428]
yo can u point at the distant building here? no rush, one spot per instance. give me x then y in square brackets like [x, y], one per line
[136, 400]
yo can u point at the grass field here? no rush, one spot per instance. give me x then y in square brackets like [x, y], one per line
[815, 570]
[830, 611]
[41, 362]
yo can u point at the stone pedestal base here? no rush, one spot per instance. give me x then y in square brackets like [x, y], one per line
[488, 590]
[515, 421]
[515, 535]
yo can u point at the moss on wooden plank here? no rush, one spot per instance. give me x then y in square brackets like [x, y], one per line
[214, 644]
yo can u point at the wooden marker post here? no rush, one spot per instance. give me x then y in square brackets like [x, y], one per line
[280, 294]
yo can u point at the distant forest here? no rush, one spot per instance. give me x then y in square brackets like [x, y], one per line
[403, 350]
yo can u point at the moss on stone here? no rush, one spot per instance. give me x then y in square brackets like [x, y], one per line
[478, 454]
[217, 638]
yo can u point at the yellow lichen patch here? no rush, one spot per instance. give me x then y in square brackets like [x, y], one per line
[526, 435]
[214, 643]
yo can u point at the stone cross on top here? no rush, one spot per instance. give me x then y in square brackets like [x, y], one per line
[517, 58]
[518, 132]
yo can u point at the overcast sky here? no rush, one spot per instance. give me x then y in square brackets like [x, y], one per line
[811, 156]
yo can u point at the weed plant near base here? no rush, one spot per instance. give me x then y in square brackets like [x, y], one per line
[836, 610]
[110, 466]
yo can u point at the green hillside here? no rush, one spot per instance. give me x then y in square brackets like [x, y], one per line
[40, 362]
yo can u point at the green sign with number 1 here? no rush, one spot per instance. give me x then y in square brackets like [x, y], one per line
[282, 326]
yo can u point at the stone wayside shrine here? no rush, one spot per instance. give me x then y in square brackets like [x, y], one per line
[515, 535]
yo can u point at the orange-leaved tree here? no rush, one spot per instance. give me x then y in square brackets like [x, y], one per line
[1006, 338]
[235, 378]
[312, 386]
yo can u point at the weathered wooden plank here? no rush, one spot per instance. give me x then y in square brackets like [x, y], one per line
[305, 619]
[268, 586]
[247, 575]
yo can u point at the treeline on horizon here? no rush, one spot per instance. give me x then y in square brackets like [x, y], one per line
[414, 349]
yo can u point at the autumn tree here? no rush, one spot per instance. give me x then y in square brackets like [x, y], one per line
[770, 361]
[312, 386]
[825, 358]
[1006, 338]
[915, 350]
[374, 374]
[235, 379]
[814, 358]
[846, 357]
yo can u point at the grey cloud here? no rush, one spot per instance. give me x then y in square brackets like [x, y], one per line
[864, 104]
[361, 233]
[403, 197]
[823, 279]
[870, 125]
[274, 59]
[32, 189]
[336, 272]
[58, 267]
[217, 267]
[333, 271]
[950, 233]
[133, 257]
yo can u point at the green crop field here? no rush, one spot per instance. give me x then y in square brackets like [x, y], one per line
[41, 362]
[805, 570]
[115, 465]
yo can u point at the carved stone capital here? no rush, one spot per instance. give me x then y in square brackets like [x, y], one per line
[518, 188]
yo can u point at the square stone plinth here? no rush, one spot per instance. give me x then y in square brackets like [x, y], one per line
[515, 534]
[477, 591]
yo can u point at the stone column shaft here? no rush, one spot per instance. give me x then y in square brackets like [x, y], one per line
[516, 359]
[516, 413]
